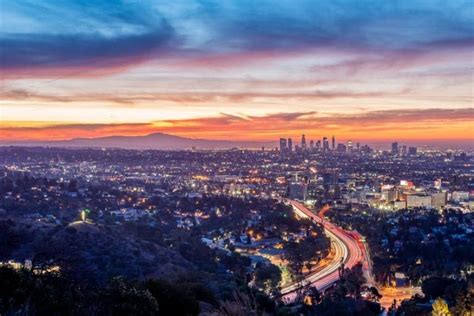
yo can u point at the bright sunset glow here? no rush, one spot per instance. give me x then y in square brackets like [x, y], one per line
[244, 70]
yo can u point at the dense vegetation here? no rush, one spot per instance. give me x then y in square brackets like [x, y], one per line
[457, 296]
[25, 293]
[420, 243]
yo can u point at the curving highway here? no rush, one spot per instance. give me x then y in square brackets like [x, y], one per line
[347, 246]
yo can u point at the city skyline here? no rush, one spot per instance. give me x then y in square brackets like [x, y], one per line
[372, 72]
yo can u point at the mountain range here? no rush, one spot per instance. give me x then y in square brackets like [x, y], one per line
[159, 141]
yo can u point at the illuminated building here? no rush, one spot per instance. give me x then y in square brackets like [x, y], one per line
[389, 193]
[404, 150]
[303, 142]
[341, 148]
[298, 188]
[412, 151]
[325, 144]
[438, 199]
[290, 145]
[418, 200]
[460, 196]
[394, 148]
[283, 147]
[330, 184]
[349, 146]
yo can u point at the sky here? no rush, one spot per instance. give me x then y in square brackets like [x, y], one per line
[244, 70]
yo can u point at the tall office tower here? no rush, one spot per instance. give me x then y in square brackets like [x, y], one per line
[404, 150]
[325, 144]
[341, 148]
[298, 188]
[412, 151]
[395, 148]
[311, 145]
[290, 145]
[318, 145]
[333, 143]
[330, 184]
[349, 146]
[283, 147]
[303, 142]
[358, 146]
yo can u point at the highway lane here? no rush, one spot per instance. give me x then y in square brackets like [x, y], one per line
[347, 250]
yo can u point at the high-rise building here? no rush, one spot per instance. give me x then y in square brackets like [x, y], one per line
[303, 142]
[290, 145]
[438, 199]
[404, 150]
[389, 193]
[394, 148]
[311, 145]
[412, 151]
[325, 144]
[330, 177]
[341, 148]
[418, 200]
[298, 190]
[349, 146]
[330, 184]
[318, 145]
[333, 143]
[283, 147]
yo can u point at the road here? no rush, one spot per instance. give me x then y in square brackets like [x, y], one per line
[348, 249]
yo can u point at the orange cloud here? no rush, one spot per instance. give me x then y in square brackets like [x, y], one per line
[192, 97]
[425, 124]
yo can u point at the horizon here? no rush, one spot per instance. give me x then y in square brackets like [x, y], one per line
[432, 144]
[248, 72]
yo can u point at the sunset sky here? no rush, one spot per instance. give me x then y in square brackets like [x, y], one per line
[243, 70]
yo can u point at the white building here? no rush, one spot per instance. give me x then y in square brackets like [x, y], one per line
[438, 199]
[418, 200]
[460, 196]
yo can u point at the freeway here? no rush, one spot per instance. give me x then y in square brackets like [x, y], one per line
[347, 248]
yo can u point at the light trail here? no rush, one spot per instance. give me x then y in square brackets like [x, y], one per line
[347, 247]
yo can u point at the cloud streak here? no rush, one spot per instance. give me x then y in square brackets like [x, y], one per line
[409, 124]
[38, 36]
[193, 97]
[323, 66]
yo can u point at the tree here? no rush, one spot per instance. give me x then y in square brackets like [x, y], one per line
[171, 299]
[268, 277]
[121, 298]
[15, 288]
[440, 308]
[435, 286]
[464, 302]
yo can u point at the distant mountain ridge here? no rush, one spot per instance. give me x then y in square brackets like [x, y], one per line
[159, 141]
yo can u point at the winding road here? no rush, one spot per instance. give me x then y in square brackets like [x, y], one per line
[348, 249]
